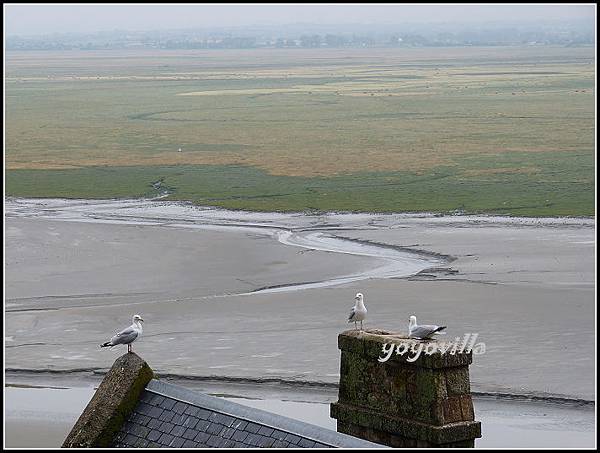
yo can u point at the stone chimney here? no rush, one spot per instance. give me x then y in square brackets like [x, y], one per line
[114, 400]
[400, 402]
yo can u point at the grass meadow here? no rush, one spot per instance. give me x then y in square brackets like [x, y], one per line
[479, 130]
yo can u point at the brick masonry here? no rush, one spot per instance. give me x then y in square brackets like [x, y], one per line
[426, 403]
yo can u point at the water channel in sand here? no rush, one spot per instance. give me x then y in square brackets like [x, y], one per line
[504, 266]
[288, 229]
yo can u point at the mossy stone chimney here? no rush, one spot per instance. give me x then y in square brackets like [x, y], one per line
[112, 403]
[404, 401]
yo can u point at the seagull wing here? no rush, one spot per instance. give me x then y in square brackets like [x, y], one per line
[352, 314]
[125, 336]
[425, 331]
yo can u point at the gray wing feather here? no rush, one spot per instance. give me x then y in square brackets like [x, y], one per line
[125, 336]
[424, 331]
[352, 313]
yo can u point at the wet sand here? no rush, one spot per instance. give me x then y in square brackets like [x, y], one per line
[42, 417]
[76, 271]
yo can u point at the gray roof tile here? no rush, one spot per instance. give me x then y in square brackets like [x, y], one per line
[141, 419]
[230, 443]
[292, 438]
[179, 407]
[279, 435]
[227, 433]
[154, 412]
[168, 404]
[165, 439]
[143, 408]
[157, 400]
[153, 435]
[191, 410]
[141, 443]
[189, 444]
[306, 443]
[214, 428]
[202, 437]
[266, 441]
[223, 419]
[166, 416]
[239, 425]
[189, 433]
[190, 422]
[202, 425]
[214, 441]
[154, 423]
[252, 439]
[252, 427]
[266, 431]
[178, 431]
[178, 419]
[140, 431]
[166, 427]
[203, 414]
[239, 435]
[171, 416]
[177, 443]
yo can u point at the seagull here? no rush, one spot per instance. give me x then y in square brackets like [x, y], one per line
[422, 332]
[359, 311]
[128, 335]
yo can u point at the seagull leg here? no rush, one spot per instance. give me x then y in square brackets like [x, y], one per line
[128, 348]
[355, 326]
[361, 328]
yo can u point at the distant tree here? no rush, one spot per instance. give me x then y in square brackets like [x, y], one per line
[335, 40]
[310, 40]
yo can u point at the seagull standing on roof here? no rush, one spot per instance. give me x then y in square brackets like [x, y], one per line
[423, 332]
[359, 311]
[128, 335]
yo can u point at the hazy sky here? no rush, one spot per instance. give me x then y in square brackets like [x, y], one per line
[32, 19]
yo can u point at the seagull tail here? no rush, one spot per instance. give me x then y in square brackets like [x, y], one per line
[106, 345]
[439, 330]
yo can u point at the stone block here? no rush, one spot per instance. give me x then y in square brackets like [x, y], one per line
[457, 381]
[112, 403]
[424, 402]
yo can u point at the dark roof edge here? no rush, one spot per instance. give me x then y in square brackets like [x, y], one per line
[275, 421]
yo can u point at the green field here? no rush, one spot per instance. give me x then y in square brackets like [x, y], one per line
[495, 130]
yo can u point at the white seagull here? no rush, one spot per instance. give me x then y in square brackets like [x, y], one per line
[128, 335]
[422, 332]
[359, 311]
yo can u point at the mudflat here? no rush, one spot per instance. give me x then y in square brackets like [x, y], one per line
[263, 296]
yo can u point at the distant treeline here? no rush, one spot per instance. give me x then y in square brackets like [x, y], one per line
[566, 35]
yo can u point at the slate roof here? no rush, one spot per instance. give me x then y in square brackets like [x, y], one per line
[172, 416]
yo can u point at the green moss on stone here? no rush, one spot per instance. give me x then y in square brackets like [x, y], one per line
[115, 399]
